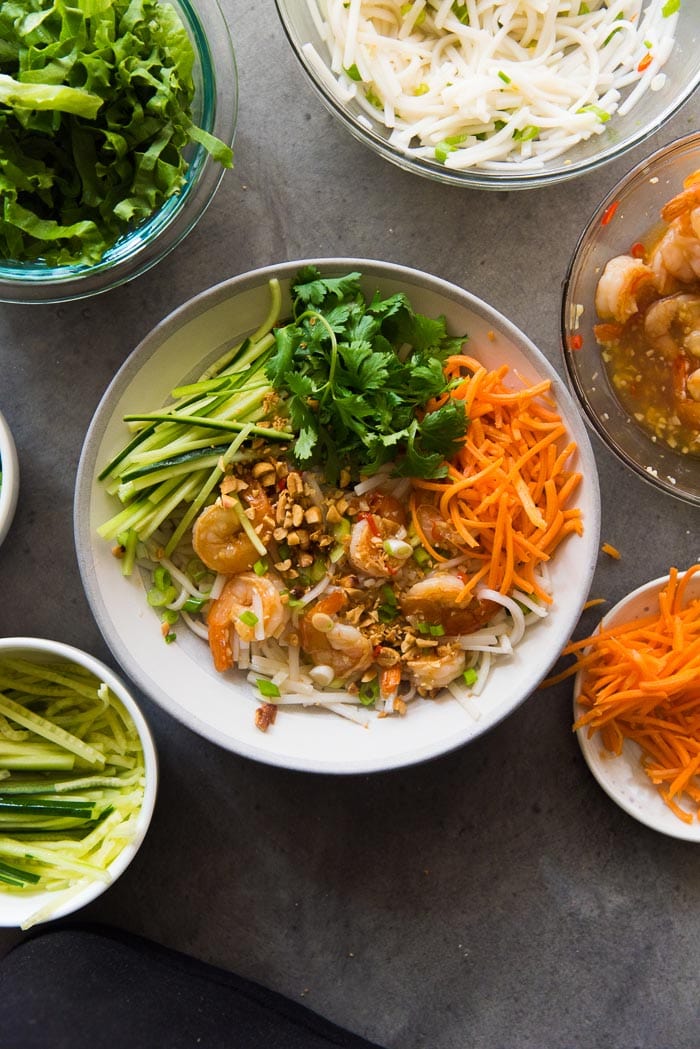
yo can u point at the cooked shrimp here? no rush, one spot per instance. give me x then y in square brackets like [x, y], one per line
[438, 599]
[672, 325]
[692, 385]
[437, 669]
[259, 596]
[686, 391]
[676, 257]
[218, 537]
[438, 532]
[378, 544]
[624, 283]
[332, 644]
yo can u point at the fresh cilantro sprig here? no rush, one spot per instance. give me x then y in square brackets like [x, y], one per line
[357, 374]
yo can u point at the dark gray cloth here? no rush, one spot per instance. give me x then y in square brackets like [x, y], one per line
[98, 988]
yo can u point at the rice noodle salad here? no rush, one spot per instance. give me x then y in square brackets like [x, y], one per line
[347, 507]
[492, 83]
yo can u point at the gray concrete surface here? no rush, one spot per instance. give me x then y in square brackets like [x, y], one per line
[494, 898]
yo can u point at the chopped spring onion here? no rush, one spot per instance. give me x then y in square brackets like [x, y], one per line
[267, 688]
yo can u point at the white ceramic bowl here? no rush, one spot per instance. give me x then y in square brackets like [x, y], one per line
[303, 26]
[181, 677]
[16, 909]
[623, 778]
[9, 489]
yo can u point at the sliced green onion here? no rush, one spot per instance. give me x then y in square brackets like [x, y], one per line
[460, 12]
[159, 598]
[602, 114]
[267, 688]
[162, 579]
[369, 692]
[525, 134]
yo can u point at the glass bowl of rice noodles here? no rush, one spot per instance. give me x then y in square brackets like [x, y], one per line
[498, 96]
[337, 515]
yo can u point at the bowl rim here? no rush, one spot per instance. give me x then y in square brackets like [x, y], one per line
[9, 490]
[640, 801]
[473, 178]
[140, 249]
[640, 170]
[84, 540]
[42, 647]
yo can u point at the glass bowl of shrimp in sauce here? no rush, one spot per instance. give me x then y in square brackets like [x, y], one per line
[630, 323]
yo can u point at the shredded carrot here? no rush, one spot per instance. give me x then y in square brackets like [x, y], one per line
[507, 491]
[641, 681]
[611, 551]
[592, 602]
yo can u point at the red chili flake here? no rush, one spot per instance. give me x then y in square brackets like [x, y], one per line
[638, 250]
[575, 342]
[371, 522]
[645, 63]
[609, 212]
[281, 484]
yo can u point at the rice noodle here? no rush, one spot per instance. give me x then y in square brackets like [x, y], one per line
[484, 83]
[518, 629]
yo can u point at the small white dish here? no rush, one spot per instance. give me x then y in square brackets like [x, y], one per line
[9, 488]
[18, 909]
[181, 677]
[622, 777]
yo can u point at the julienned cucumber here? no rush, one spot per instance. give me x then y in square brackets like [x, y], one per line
[72, 777]
[175, 459]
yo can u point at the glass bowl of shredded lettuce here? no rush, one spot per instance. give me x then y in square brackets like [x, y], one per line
[117, 120]
[78, 779]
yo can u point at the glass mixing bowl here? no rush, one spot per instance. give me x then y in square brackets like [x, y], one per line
[303, 25]
[215, 109]
[622, 220]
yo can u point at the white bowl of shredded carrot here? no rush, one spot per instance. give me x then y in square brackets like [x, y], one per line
[78, 780]
[337, 661]
[637, 703]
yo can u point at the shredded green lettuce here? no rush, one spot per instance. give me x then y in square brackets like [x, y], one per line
[95, 120]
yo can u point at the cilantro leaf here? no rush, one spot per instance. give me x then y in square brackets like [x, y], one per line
[357, 375]
[311, 289]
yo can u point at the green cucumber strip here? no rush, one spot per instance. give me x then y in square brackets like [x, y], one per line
[49, 731]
